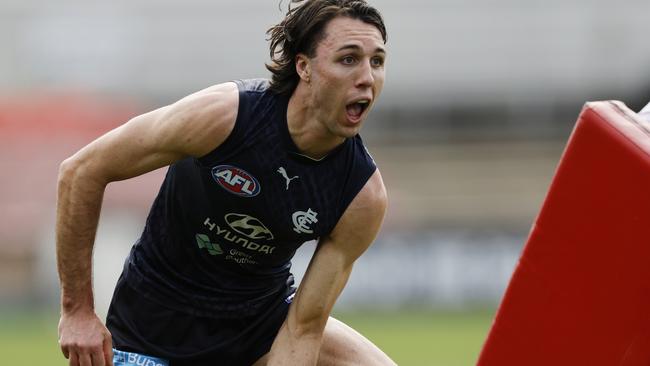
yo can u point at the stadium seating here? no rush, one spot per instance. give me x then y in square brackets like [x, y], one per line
[580, 294]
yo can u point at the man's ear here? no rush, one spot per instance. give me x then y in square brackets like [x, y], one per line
[303, 67]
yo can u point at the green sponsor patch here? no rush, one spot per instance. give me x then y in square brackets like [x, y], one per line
[203, 241]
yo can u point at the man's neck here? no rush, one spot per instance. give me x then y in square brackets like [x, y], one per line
[306, 129]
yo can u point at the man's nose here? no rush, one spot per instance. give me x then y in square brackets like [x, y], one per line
[365, 77]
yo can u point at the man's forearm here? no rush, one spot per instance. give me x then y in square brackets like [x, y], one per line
[78, 204]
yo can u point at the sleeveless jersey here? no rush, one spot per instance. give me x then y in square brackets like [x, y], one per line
[220, 235]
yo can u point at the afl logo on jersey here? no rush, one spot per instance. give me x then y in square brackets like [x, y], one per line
[236, 181]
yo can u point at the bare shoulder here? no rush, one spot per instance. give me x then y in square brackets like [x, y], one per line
[360, 223]
[192, 126]
[204, 119]
[372, 196]
[370, 203]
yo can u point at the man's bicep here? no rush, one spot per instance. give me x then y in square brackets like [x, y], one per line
[190, 127]
[127, 151]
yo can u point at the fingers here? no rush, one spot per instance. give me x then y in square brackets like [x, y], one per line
[65, 350]
[74, 360]
[95, 357]
[98, 358]
[85, 360]
[108, 350]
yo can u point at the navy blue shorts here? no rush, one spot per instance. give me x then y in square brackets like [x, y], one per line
[143, 326]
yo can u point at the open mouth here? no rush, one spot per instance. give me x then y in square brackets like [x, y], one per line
[355, 110]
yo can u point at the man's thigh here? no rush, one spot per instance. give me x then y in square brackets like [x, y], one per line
[343, 346]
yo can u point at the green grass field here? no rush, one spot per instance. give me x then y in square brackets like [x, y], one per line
[425, 338]
[411, 338]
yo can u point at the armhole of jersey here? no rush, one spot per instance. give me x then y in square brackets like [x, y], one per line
[238, 131]
[363, 167]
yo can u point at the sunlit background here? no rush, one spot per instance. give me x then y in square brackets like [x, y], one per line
[479, 101]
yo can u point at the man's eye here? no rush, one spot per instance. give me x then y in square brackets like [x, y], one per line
[377, 61]
[347, 60]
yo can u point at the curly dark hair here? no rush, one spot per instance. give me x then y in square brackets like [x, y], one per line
[302, 29]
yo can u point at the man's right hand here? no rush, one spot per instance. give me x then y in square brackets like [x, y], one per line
[84, 340]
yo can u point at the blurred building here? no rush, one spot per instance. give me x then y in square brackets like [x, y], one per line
[479, 100]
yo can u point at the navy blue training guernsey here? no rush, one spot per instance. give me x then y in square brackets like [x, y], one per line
[222, 231]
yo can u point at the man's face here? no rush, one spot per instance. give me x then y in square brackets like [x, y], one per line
[347, 74]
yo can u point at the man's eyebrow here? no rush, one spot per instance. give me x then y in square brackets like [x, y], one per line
[358, 48]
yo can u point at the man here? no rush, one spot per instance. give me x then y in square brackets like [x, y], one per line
[256, 169]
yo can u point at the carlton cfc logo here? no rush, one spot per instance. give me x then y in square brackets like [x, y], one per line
[236, 181]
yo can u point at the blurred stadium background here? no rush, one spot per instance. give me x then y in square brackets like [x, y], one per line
[479, 101]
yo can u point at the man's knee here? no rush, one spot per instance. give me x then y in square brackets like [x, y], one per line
[343, 345]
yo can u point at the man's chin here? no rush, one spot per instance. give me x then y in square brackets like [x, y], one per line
[348, 129]
[349, 133]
